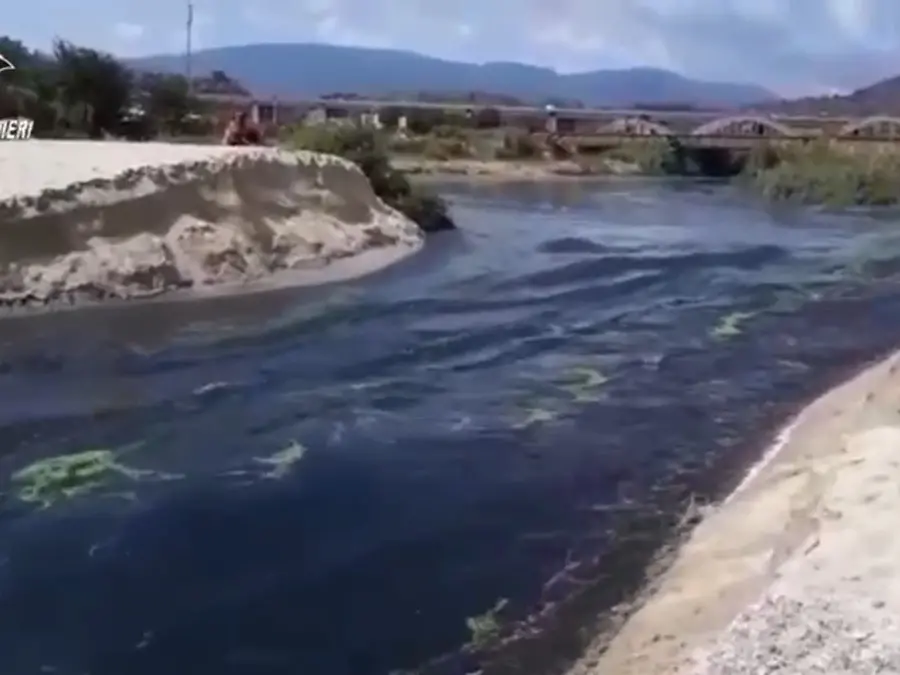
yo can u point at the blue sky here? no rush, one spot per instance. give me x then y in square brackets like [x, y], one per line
[792, 46]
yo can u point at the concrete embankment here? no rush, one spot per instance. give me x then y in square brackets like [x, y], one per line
[798, 572]
[86, 221]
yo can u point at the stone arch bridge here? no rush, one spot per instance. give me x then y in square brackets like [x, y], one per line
[878, 127]
[743, 128]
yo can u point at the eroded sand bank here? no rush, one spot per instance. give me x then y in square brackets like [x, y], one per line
[799, 571]
[86, 221]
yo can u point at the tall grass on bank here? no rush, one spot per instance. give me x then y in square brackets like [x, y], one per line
[826, 173]
[367, 148]
[653, 156]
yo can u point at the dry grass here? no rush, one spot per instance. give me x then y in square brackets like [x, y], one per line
[827, 172]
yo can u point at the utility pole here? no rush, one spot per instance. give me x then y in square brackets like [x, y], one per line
[187, 54]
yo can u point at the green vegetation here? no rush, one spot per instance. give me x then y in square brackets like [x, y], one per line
[652, 156]
[584, 384]
[826, 174]
[368, 149]
[822, 173]
[282, 462]
[519, 145]
[534, 414]
[79, 92]
[731, 325]
[425, 121]
[486, 628]
[54, 479]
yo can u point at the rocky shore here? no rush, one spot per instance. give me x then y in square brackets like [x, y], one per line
[798, 572]
[85, 221]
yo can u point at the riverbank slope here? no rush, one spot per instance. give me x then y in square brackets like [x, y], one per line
[799, 570]
[424, 169]
[85, 221]
[822, 173]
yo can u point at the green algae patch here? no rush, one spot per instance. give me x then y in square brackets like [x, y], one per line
[282, 462]
[54, 479]
[485, 629]
[584, 384]
[579, 384]
[731, 325]
[533, 415]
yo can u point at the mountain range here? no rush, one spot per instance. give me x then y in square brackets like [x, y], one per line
[881, 98]
[314, 70]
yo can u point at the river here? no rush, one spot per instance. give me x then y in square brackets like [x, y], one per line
[330, 481]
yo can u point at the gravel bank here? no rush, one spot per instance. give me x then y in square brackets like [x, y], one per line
[82, 221]
[799, 572]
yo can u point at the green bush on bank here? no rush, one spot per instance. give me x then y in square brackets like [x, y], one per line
[826, 174]
[832, 174]
[652, 156]
[519, 145]
[367, 148]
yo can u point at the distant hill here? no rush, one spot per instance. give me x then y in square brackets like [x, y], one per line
[308, 70]
[883, 97]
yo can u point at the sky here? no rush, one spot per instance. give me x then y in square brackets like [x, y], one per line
[794, 47]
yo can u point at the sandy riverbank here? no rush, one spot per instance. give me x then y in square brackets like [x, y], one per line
[84, 221]
[424, 169]
[798, 572]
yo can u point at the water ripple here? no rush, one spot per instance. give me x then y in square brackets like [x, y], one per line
[520, 413]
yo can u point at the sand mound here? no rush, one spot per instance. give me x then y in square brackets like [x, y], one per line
[799, 571]
[82, 221]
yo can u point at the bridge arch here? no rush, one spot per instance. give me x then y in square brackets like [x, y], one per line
[635, 126]
[743, 125]
[873, 124]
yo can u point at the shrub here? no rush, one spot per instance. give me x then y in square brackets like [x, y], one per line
[822, 173]
[408, 145]
[422, 121]
[447, 148]
[456, 121]
[761, 158]
[345, 140]
[488, 118]
[519, 145]
[450, 131]
[367, 149]
[653, 156]
[390, 116]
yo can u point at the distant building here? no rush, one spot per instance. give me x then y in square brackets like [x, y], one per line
[371, 118]
[328, 114]
[318, 115]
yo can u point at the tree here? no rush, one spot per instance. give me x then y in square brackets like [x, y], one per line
[218, 82]
[88, 92]
[94, 87]
[488, 118]
[168, 100]
[422, 121]
[31, 89]
[390, 116]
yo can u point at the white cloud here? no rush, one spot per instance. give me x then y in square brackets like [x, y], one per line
[465, 31]
[128, 32]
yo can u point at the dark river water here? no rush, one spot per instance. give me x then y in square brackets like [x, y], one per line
[332, 480]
